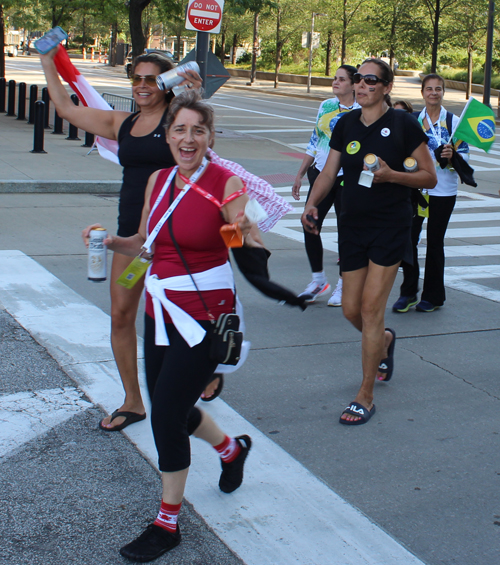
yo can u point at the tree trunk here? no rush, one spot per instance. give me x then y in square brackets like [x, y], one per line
[329, 42]
[255, 47]
[235, 47]
[136, 7]
[393, 36]
[84, 43]
[2, 44]
[179, 58]
[223, 47]
[112, 45]
[279, 46]
[469, 73]
[344, 35]
[435, 40]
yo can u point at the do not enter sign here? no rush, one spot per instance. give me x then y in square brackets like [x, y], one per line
[204, 15]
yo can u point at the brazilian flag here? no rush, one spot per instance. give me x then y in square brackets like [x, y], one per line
[476, 125]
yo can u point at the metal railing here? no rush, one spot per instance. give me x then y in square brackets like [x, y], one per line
[122, 103]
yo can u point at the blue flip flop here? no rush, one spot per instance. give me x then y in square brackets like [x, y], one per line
[357, 409]
[386, 366]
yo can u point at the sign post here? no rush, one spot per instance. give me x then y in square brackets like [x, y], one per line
[204, 16]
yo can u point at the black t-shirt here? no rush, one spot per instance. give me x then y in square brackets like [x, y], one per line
[393, 137]
[140, 157]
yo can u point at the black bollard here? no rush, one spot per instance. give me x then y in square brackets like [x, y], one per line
[33, 99]
[73, 130]
[89, 139]
[46, 101]
[58, 124]
[3, 84]
[38, 129]
[11, 102]
[21, 102]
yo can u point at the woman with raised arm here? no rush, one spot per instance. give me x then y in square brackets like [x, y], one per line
[376, 216]
[317, 150]
[189, 285]
[142, 151]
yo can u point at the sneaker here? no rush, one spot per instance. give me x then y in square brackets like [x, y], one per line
[336, 297]
[153, 542]
[425, 306]
[404, 303]
[313, 290]
[232, 473]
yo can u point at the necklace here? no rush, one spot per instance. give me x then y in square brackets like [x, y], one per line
[363, 121]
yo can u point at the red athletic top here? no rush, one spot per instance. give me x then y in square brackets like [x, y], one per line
[196, 223]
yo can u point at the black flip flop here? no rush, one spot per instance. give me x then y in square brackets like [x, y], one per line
[218, 390]
[386, 366]
[357, 409]
[130, 418]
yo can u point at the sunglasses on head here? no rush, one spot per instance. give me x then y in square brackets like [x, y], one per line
[370, 80]
[136, 80]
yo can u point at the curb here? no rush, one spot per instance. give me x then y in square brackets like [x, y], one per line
[305, 96]
[60, 186]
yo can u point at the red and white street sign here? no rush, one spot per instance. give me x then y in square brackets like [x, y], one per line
[204, 15]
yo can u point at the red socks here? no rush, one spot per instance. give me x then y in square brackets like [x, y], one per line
[228, 450]
[167, 516]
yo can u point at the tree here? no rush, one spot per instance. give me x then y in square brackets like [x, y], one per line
[172, 14]
[2, 43]
[436, 9]
[255, 7]
[470, 24]
[288, 23]
[135, 9]
[400, 24]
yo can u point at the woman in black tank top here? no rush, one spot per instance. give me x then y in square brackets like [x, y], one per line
[142, 151]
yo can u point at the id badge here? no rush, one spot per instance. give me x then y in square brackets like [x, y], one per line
[424, 212]
[134, 272]
[366, 179]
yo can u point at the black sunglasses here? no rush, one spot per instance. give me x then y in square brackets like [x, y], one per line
[370, 80]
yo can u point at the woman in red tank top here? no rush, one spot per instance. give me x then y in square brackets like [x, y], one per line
[178, 366]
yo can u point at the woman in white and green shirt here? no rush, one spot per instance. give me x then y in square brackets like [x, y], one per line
[330, 111]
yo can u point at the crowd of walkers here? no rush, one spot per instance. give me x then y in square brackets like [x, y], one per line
[178, 196]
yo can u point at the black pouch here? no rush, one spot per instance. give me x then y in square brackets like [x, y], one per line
[226, 340]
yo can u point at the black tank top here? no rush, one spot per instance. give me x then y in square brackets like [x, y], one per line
[140, 157]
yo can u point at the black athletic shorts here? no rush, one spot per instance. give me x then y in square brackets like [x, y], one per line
[382, 246]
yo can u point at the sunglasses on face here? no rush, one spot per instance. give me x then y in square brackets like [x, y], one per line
[136, 80]
[370, 80]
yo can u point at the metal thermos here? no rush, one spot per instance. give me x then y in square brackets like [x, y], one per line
[371, 161]
[166, 81]
[410, 165]
[97, 266]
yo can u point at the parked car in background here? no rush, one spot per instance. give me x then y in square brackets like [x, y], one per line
[128, 60]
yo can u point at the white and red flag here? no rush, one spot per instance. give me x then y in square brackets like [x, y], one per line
[88, 96]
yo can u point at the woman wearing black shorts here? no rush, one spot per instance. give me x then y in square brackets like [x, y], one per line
[142, 151]
[375, 222]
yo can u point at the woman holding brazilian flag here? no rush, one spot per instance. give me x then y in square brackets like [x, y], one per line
[448, 141]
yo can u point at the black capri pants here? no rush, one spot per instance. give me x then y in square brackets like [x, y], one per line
[176, 376]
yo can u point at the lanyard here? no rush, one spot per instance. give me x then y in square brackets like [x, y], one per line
[431, 127]
[189, 182]
[211, 197]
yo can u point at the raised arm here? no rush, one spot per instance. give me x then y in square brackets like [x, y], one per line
[99, 122]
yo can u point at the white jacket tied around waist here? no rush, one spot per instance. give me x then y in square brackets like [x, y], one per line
[217, 278]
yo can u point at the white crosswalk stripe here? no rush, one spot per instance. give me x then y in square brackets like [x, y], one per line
[468, 239]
